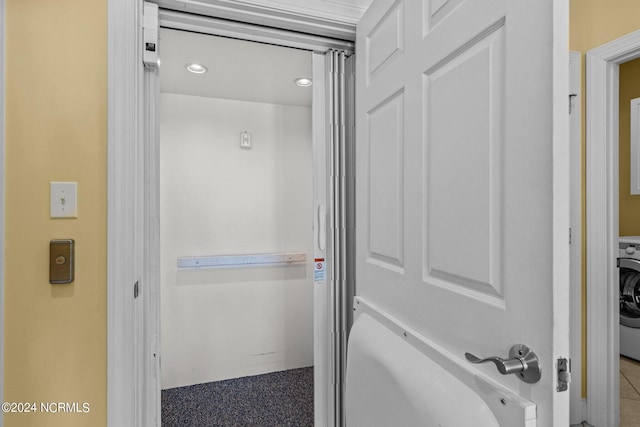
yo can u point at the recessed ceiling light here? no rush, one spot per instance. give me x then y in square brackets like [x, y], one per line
[303, 82]
[196, 68]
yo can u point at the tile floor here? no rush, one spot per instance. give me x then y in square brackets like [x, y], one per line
[629, 392]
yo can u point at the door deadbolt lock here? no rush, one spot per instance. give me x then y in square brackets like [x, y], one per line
[61, 261]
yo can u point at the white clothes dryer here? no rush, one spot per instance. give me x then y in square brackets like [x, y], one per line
[629, 264]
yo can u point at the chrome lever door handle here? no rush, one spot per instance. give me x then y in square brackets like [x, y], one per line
[511, 366]
[522, 361]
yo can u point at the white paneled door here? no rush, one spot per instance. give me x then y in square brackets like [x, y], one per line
[462, 181]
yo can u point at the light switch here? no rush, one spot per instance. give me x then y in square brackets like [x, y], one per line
[64, 199]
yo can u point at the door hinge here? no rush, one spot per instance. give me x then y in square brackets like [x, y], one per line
[136, 289]
[564, 374]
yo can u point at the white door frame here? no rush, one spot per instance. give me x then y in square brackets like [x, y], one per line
[603, 341]
[126, 173]
[298, 18]
[124, 122]
[578, 405]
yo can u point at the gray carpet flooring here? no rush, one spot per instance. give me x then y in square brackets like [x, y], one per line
[277, 399]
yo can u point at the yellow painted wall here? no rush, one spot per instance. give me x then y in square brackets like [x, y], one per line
[594, 23]
[629, 213]
[56, 110]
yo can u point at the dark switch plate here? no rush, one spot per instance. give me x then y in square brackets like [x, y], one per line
[61, 261]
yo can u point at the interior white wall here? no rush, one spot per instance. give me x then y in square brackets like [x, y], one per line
[219, 199]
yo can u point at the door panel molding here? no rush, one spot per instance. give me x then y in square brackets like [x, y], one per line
[437, 11]
[386, 136]
[385, 42]
[475, 79]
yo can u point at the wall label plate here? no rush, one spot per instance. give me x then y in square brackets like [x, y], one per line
[61, 261]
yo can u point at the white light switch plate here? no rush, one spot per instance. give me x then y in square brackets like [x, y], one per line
[64, 199]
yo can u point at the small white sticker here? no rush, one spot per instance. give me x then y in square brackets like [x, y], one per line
[319, 270]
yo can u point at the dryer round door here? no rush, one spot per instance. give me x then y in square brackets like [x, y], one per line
[630, 292]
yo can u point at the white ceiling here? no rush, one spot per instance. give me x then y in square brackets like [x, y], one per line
[238, 69]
